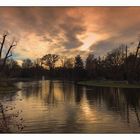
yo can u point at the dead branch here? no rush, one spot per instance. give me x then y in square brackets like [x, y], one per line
[2, 43]
[14, 43]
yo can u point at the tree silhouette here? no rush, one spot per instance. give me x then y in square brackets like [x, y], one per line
[27, 63]
[50, 60]
[8, 53]
[69, 63]
[78, 62]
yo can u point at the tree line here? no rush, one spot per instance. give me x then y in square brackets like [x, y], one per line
[119, 64]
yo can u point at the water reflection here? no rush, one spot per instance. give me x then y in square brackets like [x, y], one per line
[125, 102]
[63, 107]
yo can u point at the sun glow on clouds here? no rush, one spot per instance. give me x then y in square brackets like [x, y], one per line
[88, 41]
[91, 39]
[31, 47]
[69, 31]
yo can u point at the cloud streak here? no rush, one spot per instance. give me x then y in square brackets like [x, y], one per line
[66, 30]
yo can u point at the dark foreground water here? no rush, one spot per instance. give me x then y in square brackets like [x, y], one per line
[57, 107]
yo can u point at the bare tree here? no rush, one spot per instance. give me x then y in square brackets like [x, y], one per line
[8, 53]
[62, 60]
[50, 60]
[136, 55]
[27, 63]
[69, 63]
[2, 43]
[116, 57]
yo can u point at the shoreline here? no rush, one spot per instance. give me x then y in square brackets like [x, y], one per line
[107, 84]
[8, 85]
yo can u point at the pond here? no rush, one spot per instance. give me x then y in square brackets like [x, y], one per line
[64, 107]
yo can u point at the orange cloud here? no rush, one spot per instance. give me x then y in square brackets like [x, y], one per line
[69, 31]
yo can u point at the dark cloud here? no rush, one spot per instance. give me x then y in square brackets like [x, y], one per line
[71, 28]
[44, 22]
[102, 47]
[122, 26]
[59, 29]
[127, 37]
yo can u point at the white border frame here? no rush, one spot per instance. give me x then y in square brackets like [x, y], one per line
[70, 3]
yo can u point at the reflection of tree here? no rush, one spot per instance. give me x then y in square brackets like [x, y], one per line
[132, 98]
[31, 89]
[127, 108]
[60, 91]
[121, 101]
[51, 92]
[137, 115]
[68, 91]
[73, 101]
[51, 97]
[78, 94]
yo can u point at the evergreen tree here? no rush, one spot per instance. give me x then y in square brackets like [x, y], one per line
[79, 62]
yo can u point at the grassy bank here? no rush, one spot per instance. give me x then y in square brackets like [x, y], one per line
[114, 84]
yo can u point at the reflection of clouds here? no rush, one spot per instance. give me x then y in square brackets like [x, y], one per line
[88, 113]
[43, 103]
[70, 108]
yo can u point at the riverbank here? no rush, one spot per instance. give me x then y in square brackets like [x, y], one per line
[114, 84]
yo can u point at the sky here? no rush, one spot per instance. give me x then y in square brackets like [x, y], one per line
[69, 31]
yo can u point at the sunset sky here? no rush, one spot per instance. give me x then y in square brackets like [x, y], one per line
[70, 31]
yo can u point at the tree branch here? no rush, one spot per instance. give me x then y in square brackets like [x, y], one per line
[9, 55]
[14, 43]
[2, 43]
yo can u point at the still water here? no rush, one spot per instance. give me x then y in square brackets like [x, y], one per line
[58, 107]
